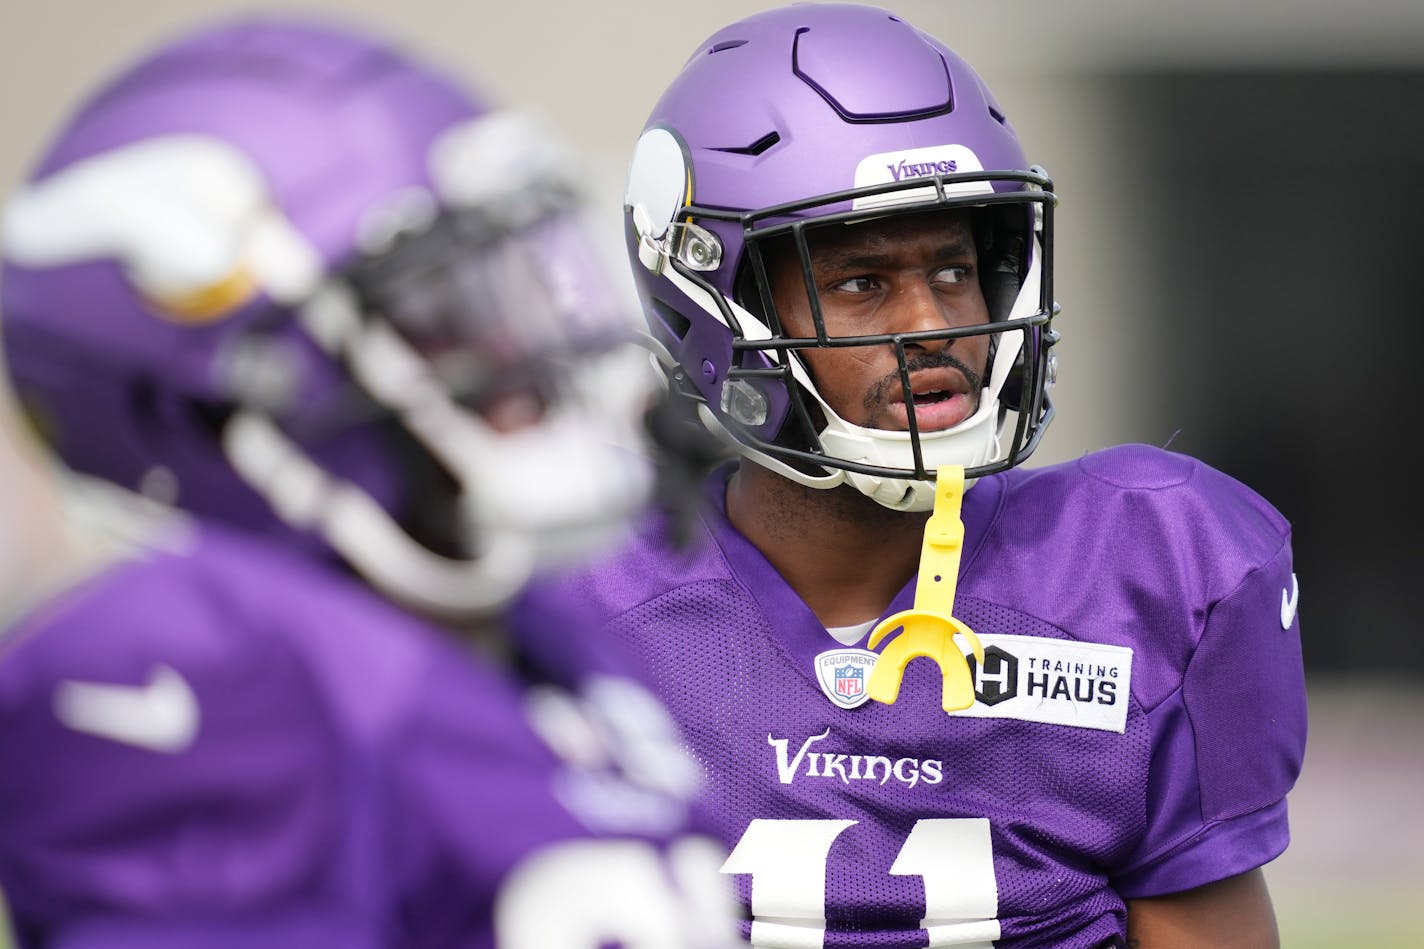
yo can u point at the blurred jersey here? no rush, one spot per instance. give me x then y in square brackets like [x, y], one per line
[217, 744]
[1139, 717]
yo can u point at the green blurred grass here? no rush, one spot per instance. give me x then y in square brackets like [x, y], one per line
[1349, 914]
[1336, 934]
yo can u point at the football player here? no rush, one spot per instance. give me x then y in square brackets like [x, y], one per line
[848, 260]
[342, 314]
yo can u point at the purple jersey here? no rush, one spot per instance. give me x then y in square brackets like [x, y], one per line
[229, 746]
[1139, 715]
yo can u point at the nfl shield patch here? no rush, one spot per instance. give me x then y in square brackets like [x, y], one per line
[850, 681]
[843, 673]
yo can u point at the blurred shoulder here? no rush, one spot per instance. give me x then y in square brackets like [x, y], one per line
[648, 563]
[240, 621]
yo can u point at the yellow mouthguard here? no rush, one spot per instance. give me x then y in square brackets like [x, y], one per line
[929, 626]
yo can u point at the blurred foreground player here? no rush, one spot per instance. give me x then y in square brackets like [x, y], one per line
[341, 314]
[840, 243]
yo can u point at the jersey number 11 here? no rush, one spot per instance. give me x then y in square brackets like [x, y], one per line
[787, 862]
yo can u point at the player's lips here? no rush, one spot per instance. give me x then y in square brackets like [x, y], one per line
[941, 397]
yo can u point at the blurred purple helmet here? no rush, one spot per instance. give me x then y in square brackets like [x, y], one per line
[814, 116]
[293, 279]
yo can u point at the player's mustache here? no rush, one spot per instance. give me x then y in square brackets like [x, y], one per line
[879, 392]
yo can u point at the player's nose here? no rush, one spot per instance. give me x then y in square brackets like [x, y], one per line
[916, 307]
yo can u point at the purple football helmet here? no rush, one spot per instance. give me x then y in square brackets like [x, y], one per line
[295, 280]
[819, 116]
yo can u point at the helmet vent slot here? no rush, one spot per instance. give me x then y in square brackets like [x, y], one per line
[755, 148]
[998, 116]
[676, 323]
[726, 45]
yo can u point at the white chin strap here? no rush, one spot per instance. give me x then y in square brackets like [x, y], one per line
[534, 517]
[558, 487]
[363, 534]
[974, 441]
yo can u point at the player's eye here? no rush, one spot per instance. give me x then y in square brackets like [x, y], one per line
[861, 284]
[954, 274]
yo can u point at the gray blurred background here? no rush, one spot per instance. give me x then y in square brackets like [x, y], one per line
[1236, 245]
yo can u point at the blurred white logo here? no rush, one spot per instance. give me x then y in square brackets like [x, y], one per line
[161, 716]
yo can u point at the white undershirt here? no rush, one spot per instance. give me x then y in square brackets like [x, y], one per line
[850, 635]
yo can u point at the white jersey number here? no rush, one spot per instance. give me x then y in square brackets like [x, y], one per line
[787, 861]
[586, 894]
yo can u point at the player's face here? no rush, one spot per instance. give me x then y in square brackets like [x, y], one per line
[901, 274]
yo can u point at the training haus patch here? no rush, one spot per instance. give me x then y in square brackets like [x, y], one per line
[1055, 681]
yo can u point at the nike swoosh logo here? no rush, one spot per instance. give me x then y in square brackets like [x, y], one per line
[161, 716]
[1288, 603]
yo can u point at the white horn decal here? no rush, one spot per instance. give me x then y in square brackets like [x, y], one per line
[188, 217]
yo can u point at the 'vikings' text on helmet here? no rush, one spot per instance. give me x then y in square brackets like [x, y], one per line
[818, 116]
[282, 275]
